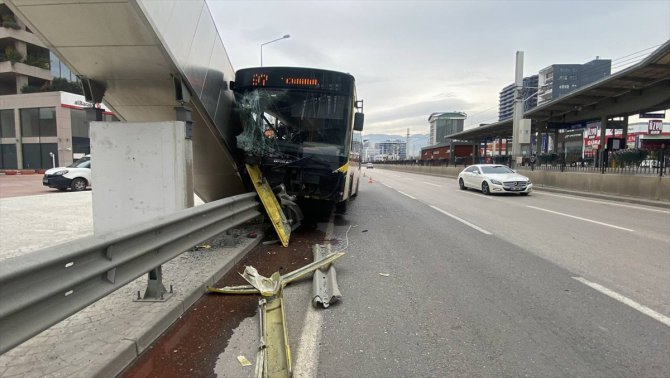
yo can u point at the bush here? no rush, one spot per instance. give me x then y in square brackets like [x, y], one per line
[37, 61]
[11, 55]
[630, 156]
[60, 84]
[57, 84]
[8, 21]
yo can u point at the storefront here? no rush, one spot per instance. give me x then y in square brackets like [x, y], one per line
[38, 130]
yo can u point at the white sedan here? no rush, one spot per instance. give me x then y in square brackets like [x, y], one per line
[494, 178]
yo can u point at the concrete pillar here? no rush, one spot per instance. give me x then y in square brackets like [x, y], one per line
[538, 138]
[140, 171]
[624, 132]
[556, 141]
[603, 133]
[22, 48]
[17, 132]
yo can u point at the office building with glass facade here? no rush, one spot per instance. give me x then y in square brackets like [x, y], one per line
[443, 124]
[506, 99]
[391, 150]
[558, 80]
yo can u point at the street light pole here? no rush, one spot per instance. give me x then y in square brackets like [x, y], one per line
[274, 40]
[518, 108]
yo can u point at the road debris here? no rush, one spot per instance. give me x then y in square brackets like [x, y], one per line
[287, 278]
[243, 361]
[384, 274]
[324, 282]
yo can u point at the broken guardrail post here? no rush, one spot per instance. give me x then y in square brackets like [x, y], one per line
[324, 285]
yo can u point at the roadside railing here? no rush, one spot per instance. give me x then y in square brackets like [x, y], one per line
[41, 288]
[551, 163]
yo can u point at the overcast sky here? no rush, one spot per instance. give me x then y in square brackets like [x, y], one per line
[412, 58]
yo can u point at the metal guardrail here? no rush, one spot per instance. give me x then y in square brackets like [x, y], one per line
[41, 288]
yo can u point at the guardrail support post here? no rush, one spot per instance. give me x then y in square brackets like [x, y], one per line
[155, 291]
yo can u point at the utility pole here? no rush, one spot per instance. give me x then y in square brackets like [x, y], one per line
[407, 146]
[518, 108]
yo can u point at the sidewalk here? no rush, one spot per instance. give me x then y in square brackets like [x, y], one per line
[104, 338]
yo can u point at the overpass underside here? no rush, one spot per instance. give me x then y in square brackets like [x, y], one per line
[133, 52]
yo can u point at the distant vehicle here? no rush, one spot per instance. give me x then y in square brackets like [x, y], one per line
[76, 176]
[494, 178]
[369, 166]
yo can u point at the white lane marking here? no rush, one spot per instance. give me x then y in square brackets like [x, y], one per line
[430, 183]
[483, 231]
[405, 194]
[625, 300]
[307, 359]
[603, 202]
[580, 218]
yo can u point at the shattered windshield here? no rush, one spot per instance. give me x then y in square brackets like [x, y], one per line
[290, 123]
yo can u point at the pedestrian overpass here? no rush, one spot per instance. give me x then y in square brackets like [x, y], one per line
[145, 58]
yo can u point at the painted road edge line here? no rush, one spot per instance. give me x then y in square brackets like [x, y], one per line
[405, 194]
[625, 300]
[580, 218]
[483, 231]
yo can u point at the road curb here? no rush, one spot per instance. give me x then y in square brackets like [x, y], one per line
[125, 358]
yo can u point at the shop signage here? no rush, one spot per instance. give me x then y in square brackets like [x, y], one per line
[655, 127]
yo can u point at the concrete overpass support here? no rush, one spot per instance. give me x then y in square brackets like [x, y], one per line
[143, 58]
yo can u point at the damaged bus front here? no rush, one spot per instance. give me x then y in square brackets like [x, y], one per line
[298, 126]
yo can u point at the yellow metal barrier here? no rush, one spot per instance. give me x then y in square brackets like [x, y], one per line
[270, 204]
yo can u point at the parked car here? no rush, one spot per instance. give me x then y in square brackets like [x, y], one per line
[369, 166]
[494, 178]
[76, 176]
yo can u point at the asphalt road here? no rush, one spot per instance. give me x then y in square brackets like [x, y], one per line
[440, 282]
[501, 295]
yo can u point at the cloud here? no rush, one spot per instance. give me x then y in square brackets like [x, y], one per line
[412, 58]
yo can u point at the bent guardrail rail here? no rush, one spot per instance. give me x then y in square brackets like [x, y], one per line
[39, 289]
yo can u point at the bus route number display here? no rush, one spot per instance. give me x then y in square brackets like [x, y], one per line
[261, 80]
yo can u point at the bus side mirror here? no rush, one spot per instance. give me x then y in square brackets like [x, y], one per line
[358, 121]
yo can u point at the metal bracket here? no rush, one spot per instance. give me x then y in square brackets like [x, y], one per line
[184, 114]
[93, 90]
